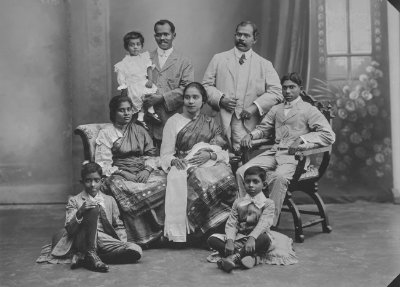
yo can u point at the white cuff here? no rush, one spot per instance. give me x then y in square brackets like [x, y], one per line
[304, 140]
[260, 110]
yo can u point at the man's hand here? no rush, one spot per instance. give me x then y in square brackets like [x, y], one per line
[246, 141]
[87, 204]
[228, 104]
[248, 112]
[180, 164]
[150, 100]
[293, 147]
[229, 247]
[143, 176]
[149, 84]
[250, 245]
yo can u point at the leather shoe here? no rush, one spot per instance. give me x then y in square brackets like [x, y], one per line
[249, 261]
[94, 263]
[76, 261]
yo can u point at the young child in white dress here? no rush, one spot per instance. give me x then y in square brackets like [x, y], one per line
[134, 75]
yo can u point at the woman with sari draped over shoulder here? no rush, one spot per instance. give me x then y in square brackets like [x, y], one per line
[200, 184]
[126, 153]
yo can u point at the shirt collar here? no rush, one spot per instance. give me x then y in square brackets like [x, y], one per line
[165, 53]
[239, 54]
[258, 200]
[292, 103]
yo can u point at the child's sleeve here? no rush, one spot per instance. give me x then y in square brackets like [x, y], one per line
[266, 219]
[121, 79]
[231, 227]
[148, 62]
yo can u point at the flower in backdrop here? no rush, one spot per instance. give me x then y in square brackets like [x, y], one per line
[363, 146]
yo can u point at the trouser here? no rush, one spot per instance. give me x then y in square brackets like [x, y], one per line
[110, 249]
[280, 167]
[262, 244]
[238, 131]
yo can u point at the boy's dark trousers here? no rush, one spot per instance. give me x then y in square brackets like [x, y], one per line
[110, 249]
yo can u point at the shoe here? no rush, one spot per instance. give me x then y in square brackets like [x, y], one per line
[229, 263]
[154, 117]
[76, 261]
[143, 124]
[94, 263]
[249, 262]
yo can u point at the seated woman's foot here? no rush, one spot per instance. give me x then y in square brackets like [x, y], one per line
[143, 124]
[154, 117]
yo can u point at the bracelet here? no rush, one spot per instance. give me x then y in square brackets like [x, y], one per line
[251, 136]
[149, 169]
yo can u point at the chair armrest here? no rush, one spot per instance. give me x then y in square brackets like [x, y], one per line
[300, 154]
[259, 144]
[88, 134]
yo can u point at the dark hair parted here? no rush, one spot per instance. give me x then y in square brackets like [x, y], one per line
[163, 22]
[256, 170]
[89, 168]
[200, 88]
[131, 36]
[294, 77]
[115, 103]
[254, 26]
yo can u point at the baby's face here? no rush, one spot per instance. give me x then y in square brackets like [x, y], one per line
[253, 184]
[134, 47]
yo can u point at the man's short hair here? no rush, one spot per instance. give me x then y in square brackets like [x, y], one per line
[256, 170]
[91, 167]
[255, 29]
[294, 77]
[163, 22]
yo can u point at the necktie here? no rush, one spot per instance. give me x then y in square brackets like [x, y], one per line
[242, 58]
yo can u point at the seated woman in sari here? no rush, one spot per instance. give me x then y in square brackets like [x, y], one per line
[127, 156]
[200, 185]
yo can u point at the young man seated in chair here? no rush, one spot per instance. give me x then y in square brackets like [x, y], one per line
[298, 126]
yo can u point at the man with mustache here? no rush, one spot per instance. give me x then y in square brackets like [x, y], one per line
[242, 85]
[171, 73]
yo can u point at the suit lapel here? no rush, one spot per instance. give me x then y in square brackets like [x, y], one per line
[295, 109]
[154, 60]
[231, 64]
[170, 61]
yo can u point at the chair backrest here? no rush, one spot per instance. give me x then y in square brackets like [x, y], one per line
[88, 134]
[325, 109]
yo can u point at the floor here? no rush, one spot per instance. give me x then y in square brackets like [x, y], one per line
[362, 250]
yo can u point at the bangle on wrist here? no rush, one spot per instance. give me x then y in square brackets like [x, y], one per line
[251, 136]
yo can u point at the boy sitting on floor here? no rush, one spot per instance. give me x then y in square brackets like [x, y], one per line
[93, 229]
[247, 228]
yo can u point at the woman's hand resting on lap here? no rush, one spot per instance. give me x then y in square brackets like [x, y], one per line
[200, 157]
[143, 176]
[180, 164]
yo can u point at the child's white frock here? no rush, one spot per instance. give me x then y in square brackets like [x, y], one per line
[132, 74]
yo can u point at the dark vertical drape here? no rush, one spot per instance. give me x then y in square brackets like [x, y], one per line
[286, 35]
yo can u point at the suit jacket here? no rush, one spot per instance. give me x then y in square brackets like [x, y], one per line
[71, 225]
[302, 120]
[170, 80]
[249, 220]
[263, 86]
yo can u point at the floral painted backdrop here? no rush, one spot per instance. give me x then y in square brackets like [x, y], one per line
[362, 152]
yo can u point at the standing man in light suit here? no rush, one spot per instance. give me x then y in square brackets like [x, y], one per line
[242, 85]
[171, 74]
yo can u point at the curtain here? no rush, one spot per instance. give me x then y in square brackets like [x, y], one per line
[285, 32]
